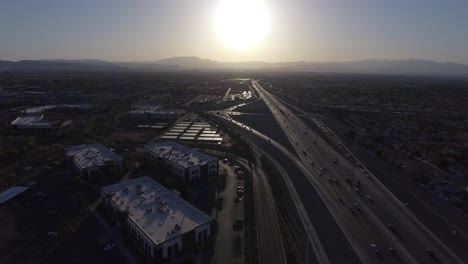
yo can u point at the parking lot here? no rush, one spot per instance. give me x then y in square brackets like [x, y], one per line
[34, 222]
[87, 245]
[230, 239]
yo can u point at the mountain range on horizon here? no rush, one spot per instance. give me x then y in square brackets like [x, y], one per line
[373, 66]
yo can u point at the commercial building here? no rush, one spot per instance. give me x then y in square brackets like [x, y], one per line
[155, 114]
[185, 163]
[88, 160]
[33, 123]
[11, 192]
[44, 108]
[158, 221]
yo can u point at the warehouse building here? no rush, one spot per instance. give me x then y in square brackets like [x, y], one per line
[158, 221]
[89, 160]
[183, 162]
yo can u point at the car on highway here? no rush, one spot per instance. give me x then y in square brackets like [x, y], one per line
[375, 248]
[357, 191]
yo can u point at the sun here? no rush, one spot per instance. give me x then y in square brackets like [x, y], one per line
[241, 24]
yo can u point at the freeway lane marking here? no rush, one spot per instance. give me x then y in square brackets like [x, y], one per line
[291, 136]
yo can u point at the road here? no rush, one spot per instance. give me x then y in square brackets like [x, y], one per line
[270, 244]
[342, 184]
[229, 243]
[305, 208]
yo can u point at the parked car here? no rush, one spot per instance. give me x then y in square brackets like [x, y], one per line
[109, 247]
[52, 234]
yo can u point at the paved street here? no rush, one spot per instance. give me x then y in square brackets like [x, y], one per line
[324, 238]
[229, 246]
[367, 221]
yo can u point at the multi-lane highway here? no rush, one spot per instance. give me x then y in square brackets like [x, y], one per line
[367, 213]
[324, 241]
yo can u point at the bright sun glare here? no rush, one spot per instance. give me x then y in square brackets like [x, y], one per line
[241, 24]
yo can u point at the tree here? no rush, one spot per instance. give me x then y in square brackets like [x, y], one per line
[130, 160]
[112, 171]
[31, 142]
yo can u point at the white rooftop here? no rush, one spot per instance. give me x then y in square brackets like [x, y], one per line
[31, 120]
[161, 214]
[151, 111]
[182, 155]
[12, 192]
[147, 106]
[87, 156]
[40, 109]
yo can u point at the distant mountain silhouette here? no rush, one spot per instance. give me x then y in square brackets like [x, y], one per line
[423, 67]
[58, 65]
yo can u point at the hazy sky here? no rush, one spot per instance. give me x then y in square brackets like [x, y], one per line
[314, 30]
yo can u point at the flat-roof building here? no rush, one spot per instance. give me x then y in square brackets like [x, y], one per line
[33, 122]
[186, 163]
[152, 114]
[89, 159]
[158, 221]
[44, 108]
